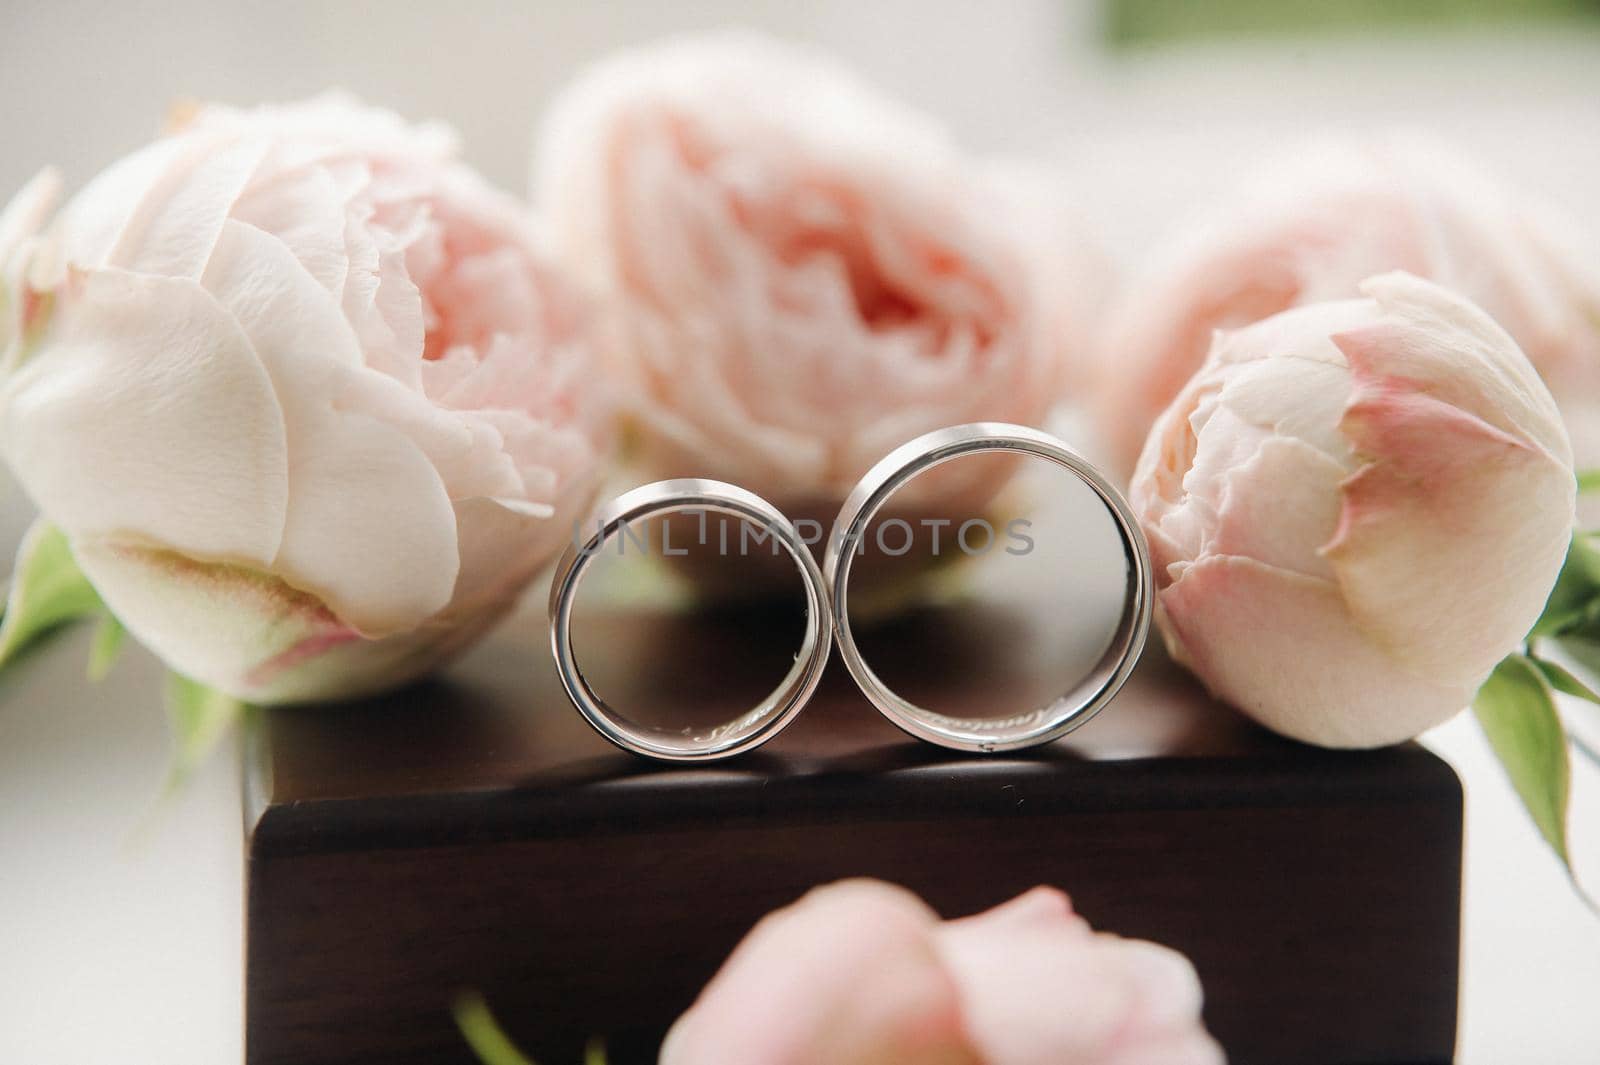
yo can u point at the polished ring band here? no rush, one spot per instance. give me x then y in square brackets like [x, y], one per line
[775, 711]
[982, 734]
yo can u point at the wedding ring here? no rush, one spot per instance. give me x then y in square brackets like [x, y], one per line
[775, 711]
[1034, 727]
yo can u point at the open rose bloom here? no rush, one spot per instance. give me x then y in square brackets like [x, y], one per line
[1355, 510]
[1322, 219]
[301, 392]
[863, 973]
[799, 274]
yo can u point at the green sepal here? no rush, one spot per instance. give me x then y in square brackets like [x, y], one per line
[47, 592]
[484, 1034]
[107, 646]
[200, 716]
[490, 1042]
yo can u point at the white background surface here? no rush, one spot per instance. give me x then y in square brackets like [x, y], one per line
[120, 918]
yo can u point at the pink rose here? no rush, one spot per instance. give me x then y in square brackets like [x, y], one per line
[1355, 510]
[1323, 218]
[302, 393]
[801, 273]
[863, 973]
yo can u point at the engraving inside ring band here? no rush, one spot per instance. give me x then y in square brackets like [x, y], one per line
[970, 723]
[613, 523]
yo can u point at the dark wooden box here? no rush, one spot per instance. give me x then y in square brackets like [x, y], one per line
[471, 833]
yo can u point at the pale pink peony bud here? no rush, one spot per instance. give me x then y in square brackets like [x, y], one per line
[1356, 509]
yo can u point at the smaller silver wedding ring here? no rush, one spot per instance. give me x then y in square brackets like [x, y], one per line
[1034, 727]
[773, 713]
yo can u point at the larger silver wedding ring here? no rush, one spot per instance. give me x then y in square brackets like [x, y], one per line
[775, 711]
[1034, 727]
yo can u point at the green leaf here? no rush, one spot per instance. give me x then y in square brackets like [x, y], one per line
[107, 646]
[1578, 656]
[484, 1034]
[1588, 481]
[1582, 652]
[47, 591]
[1562, 679]
[200, 716]
[1518, 715]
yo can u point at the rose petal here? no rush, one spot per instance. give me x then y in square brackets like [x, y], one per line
[27, 212]
[23, 217]
[802, 273]
[1313, 225]
[332, 126]
[466, 448]
[1281, 528]
[151, 385]
[1282, 647]
[306, 211]
[250, 634]
[94, 219]
[1108, 997]
[1436, 475]
[848, 976]
[175, 227]
[502, 546]
[1159, 334]
[214, 622]
[369, 527]
[1435, 341]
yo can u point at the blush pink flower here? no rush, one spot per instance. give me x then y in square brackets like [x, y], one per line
[1317, 222]
[802, 274]
[301, 391]
[863, 973]
[1355, 510]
